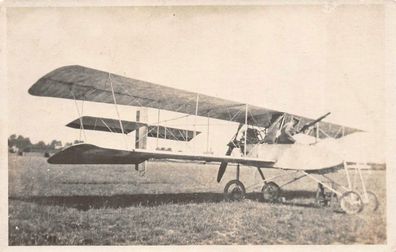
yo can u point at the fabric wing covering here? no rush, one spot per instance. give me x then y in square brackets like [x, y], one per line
[91, 154]
[113, 125]
[82, 83]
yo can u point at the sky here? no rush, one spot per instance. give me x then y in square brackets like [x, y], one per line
[307, 60]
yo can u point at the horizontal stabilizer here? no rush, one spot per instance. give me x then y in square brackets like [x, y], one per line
[113, 125]
[91, 154]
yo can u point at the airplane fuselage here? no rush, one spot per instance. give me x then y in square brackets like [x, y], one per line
[295, 156]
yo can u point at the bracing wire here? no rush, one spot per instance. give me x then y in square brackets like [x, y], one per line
[116, 108]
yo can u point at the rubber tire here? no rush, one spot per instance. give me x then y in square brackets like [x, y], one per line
[237, 194]
[270, 192]
[344, 203]
[373, 203]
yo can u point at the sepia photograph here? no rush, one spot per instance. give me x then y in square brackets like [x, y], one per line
[213, 124]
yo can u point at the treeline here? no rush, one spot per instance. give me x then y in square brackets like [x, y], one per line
[21, 143]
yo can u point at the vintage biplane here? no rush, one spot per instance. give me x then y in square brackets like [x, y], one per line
[258, 146]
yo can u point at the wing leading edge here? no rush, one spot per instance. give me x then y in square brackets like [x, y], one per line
[92, 154]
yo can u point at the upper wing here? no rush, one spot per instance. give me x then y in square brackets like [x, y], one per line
[113, 125]
[82, 83]
[91, 154]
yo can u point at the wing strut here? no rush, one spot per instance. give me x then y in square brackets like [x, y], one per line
[116, 108]
[107, 126]
[80, 116]
[207, 138]
[158, 121]
[196, 114]
[246, 116]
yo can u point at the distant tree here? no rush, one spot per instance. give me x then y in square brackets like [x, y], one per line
[20, 141]
[52, 144]
[77, 141]
[12, 140]
[55, 144]
[27, 142]
[68, 144]
[24, 144]
[40, 145]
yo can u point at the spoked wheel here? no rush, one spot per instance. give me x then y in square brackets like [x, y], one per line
[371, 202]
[270, 192]
[351, 202]
[234, 190]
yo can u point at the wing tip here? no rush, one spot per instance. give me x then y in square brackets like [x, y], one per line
[50, 160]
[35, 88]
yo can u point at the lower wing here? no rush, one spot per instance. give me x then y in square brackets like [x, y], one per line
[91, 154]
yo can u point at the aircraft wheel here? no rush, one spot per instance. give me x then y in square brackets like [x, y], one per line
[371, 203]
[234, 190]
[270, 192]
[351, 202]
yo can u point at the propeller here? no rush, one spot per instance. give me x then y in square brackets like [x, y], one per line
[231, 146]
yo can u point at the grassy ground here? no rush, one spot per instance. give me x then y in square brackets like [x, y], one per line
[173, 204]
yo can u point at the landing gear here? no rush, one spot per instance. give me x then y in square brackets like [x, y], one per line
[370, 201]
[235, 190]
[351, 202]
[270, 192]
[325, 198]
[320, 199]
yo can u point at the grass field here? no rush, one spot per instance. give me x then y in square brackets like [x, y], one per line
[174, 203]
